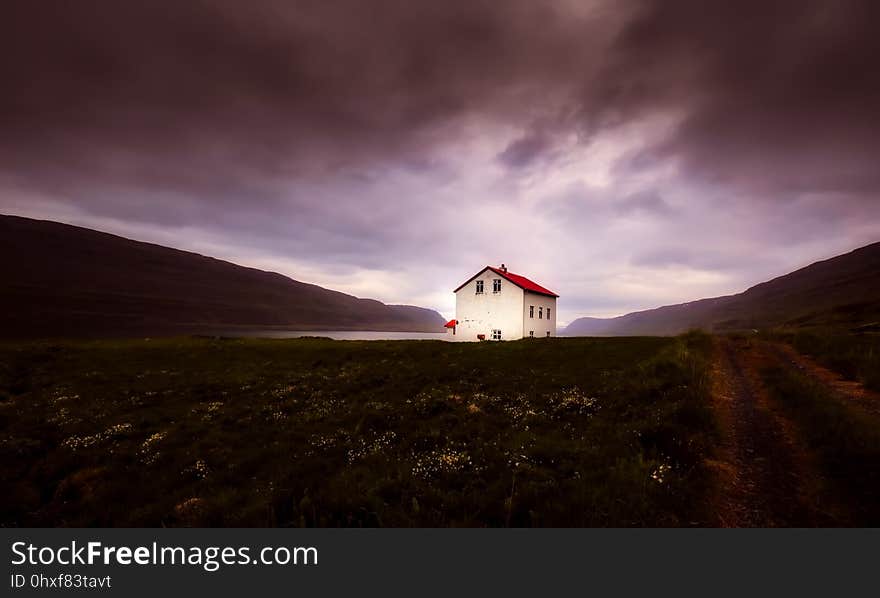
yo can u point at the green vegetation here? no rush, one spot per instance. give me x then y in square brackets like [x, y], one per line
[854, 356]
[846, 440]
[549, 432]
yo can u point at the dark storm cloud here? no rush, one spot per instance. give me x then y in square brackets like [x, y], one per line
[525, 150]
[781, 96]
[215, 97]
[648, 201]
[207, 95]
[386, 133]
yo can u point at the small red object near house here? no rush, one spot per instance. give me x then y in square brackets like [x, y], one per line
[481, 337]
[452, 324]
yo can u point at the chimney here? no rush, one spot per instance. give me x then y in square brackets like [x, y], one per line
[504, 268]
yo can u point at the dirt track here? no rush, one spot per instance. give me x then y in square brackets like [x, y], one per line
[848, 391]
[767, 475]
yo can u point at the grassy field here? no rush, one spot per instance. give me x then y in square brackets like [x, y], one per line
[306, 432]
[845, 440]
[855, 356]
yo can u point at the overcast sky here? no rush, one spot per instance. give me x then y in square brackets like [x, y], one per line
[623, 154]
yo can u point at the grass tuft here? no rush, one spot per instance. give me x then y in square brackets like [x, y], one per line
[846, 440]
[854, 356]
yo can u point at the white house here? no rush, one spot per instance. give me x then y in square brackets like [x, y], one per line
[495, 304]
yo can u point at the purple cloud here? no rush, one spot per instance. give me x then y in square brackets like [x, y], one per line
[624, 153]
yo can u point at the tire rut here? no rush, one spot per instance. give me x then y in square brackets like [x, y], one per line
[766, 475]
[848, 391]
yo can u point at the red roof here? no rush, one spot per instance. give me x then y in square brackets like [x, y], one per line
[520, 281]
[451, 324]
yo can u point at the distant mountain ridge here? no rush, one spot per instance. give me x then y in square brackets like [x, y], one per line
[59, 280]
[842, 291]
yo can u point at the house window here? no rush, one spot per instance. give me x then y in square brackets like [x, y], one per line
[548, 313]
[548, 334]
[531, 311]
[496, 335]
[496, 285]
[531, 333]
[540, 313]
[479, 287]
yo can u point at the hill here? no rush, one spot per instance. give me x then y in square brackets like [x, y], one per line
[843, 291]
[59, 280]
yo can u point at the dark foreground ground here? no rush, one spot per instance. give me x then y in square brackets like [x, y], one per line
[549, 432]
[758, 430]
[800, 443]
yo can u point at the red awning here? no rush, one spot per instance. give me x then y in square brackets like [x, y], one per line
[451, 323]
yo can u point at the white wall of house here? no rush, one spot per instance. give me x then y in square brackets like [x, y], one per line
[534, 314]
[482, 313]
